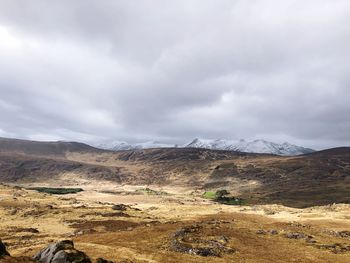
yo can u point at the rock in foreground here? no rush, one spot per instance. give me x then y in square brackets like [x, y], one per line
[62, 252]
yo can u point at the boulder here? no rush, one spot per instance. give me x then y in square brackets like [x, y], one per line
[62, 252]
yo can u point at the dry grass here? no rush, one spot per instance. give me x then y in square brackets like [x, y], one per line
[144, 235]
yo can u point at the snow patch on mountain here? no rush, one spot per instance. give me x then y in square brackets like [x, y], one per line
[256, 146]
[122, 145]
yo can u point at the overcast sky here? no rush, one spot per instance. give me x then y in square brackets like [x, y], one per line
[170, 71]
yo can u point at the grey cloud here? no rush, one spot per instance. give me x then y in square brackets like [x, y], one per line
[173, 70]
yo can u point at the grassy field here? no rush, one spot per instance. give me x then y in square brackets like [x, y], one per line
[157, 228]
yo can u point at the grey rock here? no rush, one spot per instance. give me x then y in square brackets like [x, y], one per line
[273, 232]
[62, 252]
[261, 232]
[344, 234]
[295, 235]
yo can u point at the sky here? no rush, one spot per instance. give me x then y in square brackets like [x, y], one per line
[171, 71]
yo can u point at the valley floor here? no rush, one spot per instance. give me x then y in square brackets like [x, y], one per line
[171, 225]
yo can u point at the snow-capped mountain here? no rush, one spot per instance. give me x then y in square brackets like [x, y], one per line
[256, 146]
[122, 145]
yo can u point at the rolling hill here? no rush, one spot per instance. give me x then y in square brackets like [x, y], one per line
[313, 179]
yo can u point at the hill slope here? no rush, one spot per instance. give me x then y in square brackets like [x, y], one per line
[42, 148]
[314, 179]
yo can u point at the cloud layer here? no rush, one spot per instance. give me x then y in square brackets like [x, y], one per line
[172, 70]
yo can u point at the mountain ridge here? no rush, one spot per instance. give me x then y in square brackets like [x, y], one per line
[255, 146]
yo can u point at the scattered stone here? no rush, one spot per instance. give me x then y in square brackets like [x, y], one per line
[344, 234]
[62, 252]
[273, 232]
[264, 232]
[295, 235]
[261, 232]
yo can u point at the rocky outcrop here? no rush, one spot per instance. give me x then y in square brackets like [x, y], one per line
[62, 252]
[58, 252]
[190, 240]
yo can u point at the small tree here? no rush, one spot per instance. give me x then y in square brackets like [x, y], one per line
[221, 194]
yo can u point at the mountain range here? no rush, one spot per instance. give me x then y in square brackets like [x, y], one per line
[317, 178]
[255, 146]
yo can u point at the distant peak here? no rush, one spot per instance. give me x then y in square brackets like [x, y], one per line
[255, 146]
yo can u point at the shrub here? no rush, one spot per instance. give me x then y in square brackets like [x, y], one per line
[222, 196]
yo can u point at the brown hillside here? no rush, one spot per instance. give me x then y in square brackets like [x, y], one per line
[314, 179]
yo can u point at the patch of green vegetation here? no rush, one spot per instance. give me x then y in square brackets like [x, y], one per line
[223, 197]
[150, 191]
[209, 195]
[56, 191]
